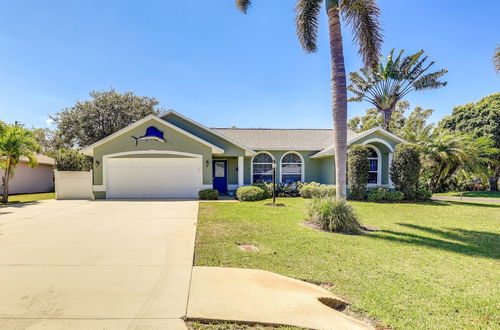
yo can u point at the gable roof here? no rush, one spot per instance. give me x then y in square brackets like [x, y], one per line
[281, 139]
[248, 150]
[89, 151]
[351, 140]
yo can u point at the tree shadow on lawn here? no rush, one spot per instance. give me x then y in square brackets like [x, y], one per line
[458, 240]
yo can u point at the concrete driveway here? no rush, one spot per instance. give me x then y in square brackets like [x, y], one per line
[96, 264]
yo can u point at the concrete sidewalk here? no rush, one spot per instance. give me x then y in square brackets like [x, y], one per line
[466, 199]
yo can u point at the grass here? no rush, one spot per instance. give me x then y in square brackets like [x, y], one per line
[27, 198]
[431, 265]
[474, 194]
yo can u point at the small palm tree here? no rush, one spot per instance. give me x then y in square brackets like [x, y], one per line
[15, 142]
[386, 84]
[362, 16]
[445, 154]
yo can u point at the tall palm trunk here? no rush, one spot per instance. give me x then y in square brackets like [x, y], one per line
[339, 100]
[5, 185]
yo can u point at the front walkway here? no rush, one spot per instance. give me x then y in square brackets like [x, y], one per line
[96, 264]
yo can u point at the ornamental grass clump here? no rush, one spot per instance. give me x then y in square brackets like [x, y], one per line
[334, 215]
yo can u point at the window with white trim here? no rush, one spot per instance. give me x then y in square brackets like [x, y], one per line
[262, 166]
[373, 172]
[291, 168]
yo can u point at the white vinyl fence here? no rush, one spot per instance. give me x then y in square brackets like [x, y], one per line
[73, 185]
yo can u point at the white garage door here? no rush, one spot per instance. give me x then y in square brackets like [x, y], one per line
[153, 177]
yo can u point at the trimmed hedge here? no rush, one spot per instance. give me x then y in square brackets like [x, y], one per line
[250, 194]
[208, 194]
[358, 171]
[266, 187]
[381, 193]
[316, 190]
[405, 169]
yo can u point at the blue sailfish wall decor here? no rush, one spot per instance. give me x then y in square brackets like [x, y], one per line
[152, 133]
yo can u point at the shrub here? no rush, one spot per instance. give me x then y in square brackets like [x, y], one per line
[334, 215]
[72, 160]
[382, 193]
[286, 190]
[306, 189]
[208, 194]
[394, 195]
[316, 190]
[358, 171]
[266, 187]
[424, 194]
[405, 169]
[376, 193]
[250, 193]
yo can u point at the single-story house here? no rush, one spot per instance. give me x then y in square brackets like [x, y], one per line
[27, 180]
[174, 156]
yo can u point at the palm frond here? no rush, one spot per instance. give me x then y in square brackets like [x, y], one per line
[363, 17]
[307, 22]
[430, 81]
[243, 5]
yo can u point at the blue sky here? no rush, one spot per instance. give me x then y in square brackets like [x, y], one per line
[208, 61]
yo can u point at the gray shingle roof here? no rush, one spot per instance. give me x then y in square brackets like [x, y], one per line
[281, 139]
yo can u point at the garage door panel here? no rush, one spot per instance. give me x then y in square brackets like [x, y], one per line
[153, 177]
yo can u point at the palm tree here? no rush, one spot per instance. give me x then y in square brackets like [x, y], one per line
[363, 17]
[445, 154]
[386, 84]
[496, 59]
[15, 142]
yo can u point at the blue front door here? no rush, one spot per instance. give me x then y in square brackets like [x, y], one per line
[219, 169]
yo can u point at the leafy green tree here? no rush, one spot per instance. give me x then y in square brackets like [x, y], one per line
[363, 17]
[385, 85]
[399, 125]
[107, 112]
[405, 169]
[15, 142]
[72, 160]
[481, 119]
[358, 172]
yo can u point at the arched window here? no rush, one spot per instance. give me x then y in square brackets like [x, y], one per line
[262, 168]
[373, 159]
[291, 168]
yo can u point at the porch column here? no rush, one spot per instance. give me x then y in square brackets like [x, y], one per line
[240, 171]
[389, 170]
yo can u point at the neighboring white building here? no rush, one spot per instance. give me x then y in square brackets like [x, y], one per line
[28, 179]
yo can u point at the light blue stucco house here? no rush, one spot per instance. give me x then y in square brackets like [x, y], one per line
[174, 156]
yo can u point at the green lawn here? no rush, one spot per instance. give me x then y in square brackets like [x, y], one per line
[431, 265]
[14, 199]
[475, 194]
